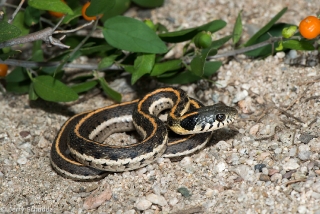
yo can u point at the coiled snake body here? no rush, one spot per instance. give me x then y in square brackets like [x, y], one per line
[79, 151]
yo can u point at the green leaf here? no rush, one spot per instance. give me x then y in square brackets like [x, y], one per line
[19, 74]
[148, 3]
[263, 30]
[142, 65]
[119, 8]
[31, 16]
[19, 22]
[188, 34]
[132, 35]
[237, 30]
[181, 78]
[18, 87]
[51, 89]
[32, 93]
[274, 31]
[76, 13]
[106, 62]
[109, 91]
[211, 68]
[163, 67]
[217, 44]
[8, 31]
[85, 86]
[52, 5]
[97, 7]
[298, 45]
[197, 63]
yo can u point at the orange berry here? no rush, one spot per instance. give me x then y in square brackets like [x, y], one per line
[57, 14]
[310, 27]
[3, 70]
[83, 11]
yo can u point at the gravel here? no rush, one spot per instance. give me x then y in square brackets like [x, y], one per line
[266, 162]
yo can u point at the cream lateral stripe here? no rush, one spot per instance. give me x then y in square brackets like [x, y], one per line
[98, 129]
[154, 104]
[59, 141]
[119, 162]
[200, 146]
[76, 129]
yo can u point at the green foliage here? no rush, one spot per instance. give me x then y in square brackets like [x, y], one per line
[139, 48]
[132, 35]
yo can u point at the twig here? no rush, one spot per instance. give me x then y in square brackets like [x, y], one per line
[31, 64]
[16, 11]
[45, 35]
[250, 48]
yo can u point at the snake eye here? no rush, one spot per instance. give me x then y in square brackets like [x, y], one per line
[220, 117]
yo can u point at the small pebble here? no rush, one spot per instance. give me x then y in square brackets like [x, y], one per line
[143, 204]
[184, 192]
[22, 160]
[259, 167]
[254, 129]
[264, 177]
[289, 174]
[173, 201]
[220, 167]
[240, 96]
[273, 171]
[276, 177]
[290, 165]
[157, 199]
[93, 202]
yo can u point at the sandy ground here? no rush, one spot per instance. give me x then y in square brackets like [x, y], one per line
[266, 162]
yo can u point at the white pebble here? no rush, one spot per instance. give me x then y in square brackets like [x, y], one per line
[291, 164]
[240, 96]
[280, 55]
[173, 201]
[186, 161]
[22, 160]
[143, 204]
[221, 166]
[157, 199]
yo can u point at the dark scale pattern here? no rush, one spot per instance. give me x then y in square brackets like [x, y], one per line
[189, 123]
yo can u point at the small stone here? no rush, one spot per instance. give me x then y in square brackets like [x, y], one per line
[254, 129]
[24, 134]
[22, 160]
[141, 171]
[280, 54]
[220, 167]
[173, 201]
[263, 156]
[273, 171]
[302, 209]
[293, 151]
[304, 152]
[240, 96]
[259, 167]
[93, 202]
[245, 172]
[291, 164]
[186, 161]
[306, 138]
[289, 174]
[276, 177]
[245, 106]
[143, 204]
[265, 171]
[184, 192]
[130, 212]
[209, 193]
[264, 177]
[157, 199]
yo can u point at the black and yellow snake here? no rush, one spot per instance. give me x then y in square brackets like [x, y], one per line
[81, 152]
